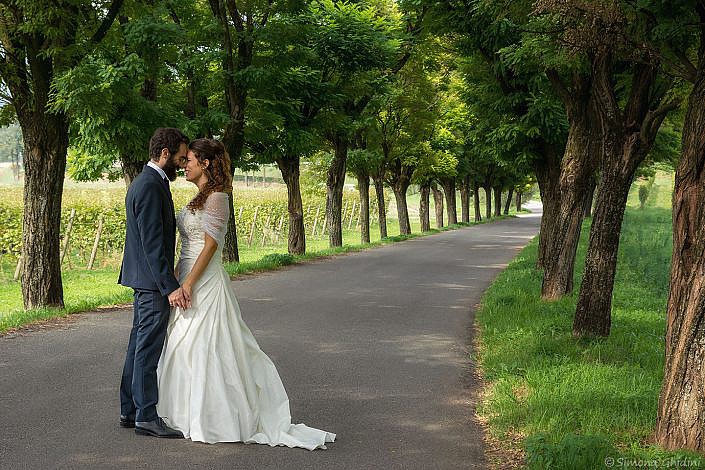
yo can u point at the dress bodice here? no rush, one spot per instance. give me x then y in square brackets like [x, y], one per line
[191, 233]
[212, 219]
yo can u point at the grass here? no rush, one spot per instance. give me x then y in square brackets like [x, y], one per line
[83, 290]
[574, 403]
[87, 290]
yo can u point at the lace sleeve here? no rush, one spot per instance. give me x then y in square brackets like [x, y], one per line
[215, 216]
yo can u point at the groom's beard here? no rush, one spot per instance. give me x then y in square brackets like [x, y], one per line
[170, 170]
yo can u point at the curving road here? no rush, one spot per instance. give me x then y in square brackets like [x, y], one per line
[373, 346]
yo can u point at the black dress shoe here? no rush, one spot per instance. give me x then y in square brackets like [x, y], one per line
[156, 428]
[127, 422]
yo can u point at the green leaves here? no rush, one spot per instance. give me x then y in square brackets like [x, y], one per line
[351, 38]
[109, 117]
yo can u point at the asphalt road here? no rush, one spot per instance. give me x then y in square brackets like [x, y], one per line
[374, 346]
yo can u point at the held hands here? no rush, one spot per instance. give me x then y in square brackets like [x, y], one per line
[181, 297]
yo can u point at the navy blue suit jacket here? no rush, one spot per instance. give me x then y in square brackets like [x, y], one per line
[148, 261]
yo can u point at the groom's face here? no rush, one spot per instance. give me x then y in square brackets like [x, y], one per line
[175, 161]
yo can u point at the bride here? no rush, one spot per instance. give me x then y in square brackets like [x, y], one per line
[215, 383]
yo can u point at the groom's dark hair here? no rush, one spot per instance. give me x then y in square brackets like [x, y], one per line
[166, 138]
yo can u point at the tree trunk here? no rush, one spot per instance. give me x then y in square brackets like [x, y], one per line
[508, 202]
[465, 200]
[424, 207]
[488, 202]
[231, 254]
[334, 190]
[627, 138]
[45, 144]
[547, 170]
[592, 314]
[289, 166]
[381, 209]
[589, 197]
[402, 209]
[681, 410]
[497, 201]
[438, 204]
[363, 187]
[130, 168]
[518, 201]
[28, 68]
[476, 202]
[576, 170]
[449, 190]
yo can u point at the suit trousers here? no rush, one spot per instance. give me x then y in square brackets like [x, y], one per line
[138, 388]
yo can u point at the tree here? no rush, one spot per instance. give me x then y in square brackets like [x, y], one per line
[630, 112]
[444, 140]
[433, 165]
[360, 162]
[681, 407]
[526, 120]
[142, 77]
[403, 121]
[39, 42]
[356, 45]
[240, 25]
[285, 102]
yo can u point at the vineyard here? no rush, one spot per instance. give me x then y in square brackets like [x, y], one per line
[95, 220]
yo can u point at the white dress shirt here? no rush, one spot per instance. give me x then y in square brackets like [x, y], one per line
[156, 167]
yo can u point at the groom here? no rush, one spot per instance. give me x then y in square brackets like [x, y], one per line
[148, 267]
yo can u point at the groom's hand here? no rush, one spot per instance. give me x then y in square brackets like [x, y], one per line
[176, 299]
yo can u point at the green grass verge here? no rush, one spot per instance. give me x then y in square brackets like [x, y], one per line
[83, 290]
[87, 290]
[576, 403]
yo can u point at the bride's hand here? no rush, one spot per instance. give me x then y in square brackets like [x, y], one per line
[187, 289]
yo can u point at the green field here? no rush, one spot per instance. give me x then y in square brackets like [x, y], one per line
[574, 403]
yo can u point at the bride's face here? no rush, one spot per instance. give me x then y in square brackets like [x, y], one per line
[193, 169]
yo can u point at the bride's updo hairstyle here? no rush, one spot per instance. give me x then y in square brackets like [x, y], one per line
[217, 171]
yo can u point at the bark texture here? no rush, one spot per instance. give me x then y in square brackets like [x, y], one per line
[508, 202]
[476, 202]
[424, 207]
[402, 209]
[381, 208]
[547, 169]
[290, 166]
[46, 144]
[589, 197]
[576, 168]
[363, 188]
[438, 204]
[334, 190]
[488, 201]
[130, 168]
[449, 190]
[681, 410]
[465, 200]
[399, 178]
[497, 200]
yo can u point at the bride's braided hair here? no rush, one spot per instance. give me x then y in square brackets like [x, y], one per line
[218, 170]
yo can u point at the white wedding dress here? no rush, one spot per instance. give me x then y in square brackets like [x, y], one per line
[215, 383]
